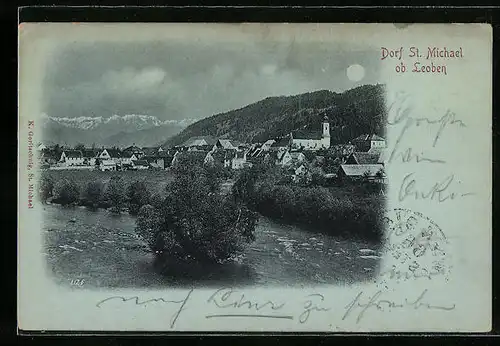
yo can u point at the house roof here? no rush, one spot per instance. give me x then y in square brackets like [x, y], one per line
[140, 163]
[365, 158]
[228, 143]
[150, 151]
[200, 141]
[281, 142]
[150, 158]
[367, 137]
[73, 154]
[90, 153]
[114, 153]
[132, 148]
[303, 134]
[358, 170]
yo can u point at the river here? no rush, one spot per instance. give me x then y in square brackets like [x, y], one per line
[102, 251]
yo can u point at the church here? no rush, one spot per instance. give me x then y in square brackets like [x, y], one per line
[312, 140]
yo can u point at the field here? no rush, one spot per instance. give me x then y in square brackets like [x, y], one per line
[155, 180]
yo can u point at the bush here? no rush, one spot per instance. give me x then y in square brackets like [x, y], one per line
[66, 192]
[115, 194]
[348, 211]
[93, 194]
[46, 188]
[195, 222]
[138, 195]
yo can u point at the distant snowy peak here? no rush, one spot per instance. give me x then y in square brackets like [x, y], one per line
[131, 121]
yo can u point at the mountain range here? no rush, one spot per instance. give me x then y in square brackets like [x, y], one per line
[138, 129]
[351, 113]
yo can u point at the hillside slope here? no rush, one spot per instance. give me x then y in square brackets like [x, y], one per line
[351, 113]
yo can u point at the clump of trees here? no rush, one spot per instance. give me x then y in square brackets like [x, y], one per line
[46, 188]
[66, 192]
[114, 194]
[93, 194]
[195, 222]
[348, 211]
[138, 195]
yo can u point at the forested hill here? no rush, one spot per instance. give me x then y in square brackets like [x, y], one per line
[352, 113]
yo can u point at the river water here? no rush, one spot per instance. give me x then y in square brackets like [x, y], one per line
[102, 250]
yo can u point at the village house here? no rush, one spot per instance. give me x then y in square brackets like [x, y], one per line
[155, 161]
[312, 140]
[71, 158]
[132, 150]
[107, 165]
[90, 156]
[239, 160]
[291, 157]
[127, 160]
[226, 144]
[111, 155]
[280, 144]
[369, 143]
[199, 143]
[359, 172]
[267, 145]
[140, 164]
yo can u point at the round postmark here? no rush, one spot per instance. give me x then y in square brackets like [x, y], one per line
[414, 247]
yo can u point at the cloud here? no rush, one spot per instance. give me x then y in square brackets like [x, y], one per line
[131, 80]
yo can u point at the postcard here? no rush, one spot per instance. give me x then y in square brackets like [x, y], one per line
[252, 177]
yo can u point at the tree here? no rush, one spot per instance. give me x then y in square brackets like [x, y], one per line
[195, 222]
[115, 194]
[138, 195]
[80, 146]
[46, 188]
[93, 194]
[66, 192]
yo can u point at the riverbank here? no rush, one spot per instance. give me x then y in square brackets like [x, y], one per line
[102, 249]
[350, 211]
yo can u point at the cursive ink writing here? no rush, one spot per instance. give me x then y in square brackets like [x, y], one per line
[312, 304]
[402, 116]
[229, 299]
[383, 305]
[439, 192]
[138, 301]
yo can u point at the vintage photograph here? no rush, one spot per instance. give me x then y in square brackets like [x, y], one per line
[254, 177]
[179, 163]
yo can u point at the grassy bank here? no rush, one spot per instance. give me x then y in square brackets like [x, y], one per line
[122, 190]
[348, 211]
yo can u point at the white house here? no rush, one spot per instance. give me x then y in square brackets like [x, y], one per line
[312, 140]
[107, 165]
[239, 160]
[267, 145]
[369, 143]
[127, 160]
[72, 158]
[111, 155]
[140, 164]
[291, 157]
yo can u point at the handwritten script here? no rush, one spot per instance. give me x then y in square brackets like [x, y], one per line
[137, 301]
[399, 115]
[360, 305]
[228, 303]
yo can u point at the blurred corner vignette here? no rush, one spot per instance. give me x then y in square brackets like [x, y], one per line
[177, 164]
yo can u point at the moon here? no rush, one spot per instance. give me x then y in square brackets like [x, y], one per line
[355, 72]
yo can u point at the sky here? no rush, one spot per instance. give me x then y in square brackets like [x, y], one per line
[193, 80]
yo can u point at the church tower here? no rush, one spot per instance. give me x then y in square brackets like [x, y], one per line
[326, 127]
